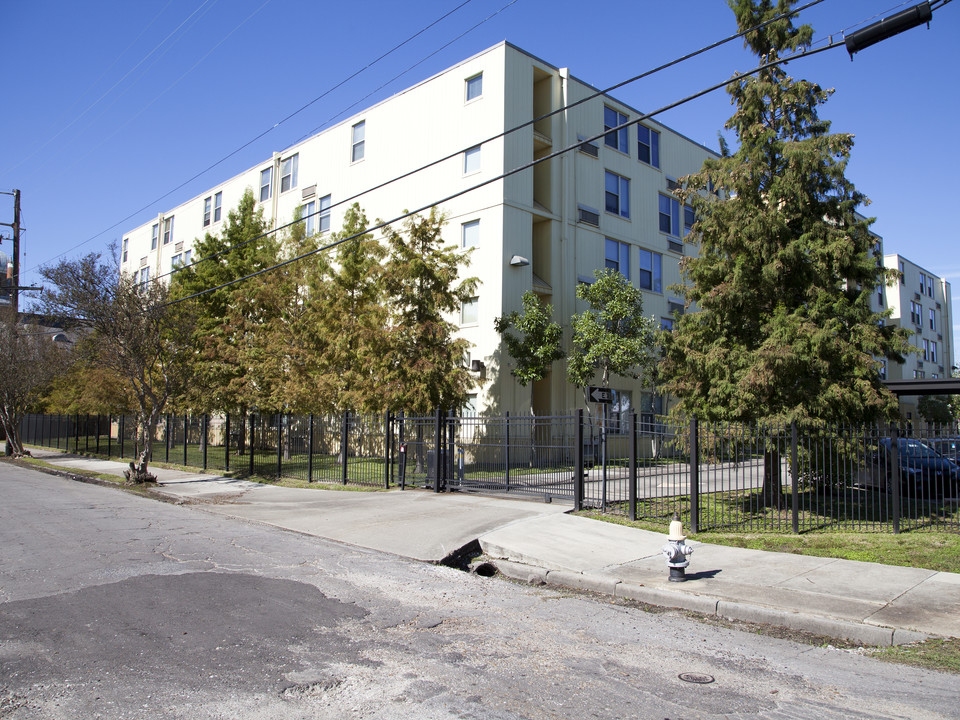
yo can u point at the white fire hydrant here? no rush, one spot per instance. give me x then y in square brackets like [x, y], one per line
[676, 551]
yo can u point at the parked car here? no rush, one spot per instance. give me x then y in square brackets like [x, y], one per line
[923, 471]
[948, 447]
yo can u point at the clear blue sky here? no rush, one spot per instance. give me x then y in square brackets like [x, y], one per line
[109, 106]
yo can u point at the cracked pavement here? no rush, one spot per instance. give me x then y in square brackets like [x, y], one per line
[118, 606]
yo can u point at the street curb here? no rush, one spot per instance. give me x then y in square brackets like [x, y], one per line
[871, 635]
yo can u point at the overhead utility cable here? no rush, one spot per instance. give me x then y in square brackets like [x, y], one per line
[505, 175]
[504, 133]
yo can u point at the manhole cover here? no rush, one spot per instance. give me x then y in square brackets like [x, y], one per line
[698, 678]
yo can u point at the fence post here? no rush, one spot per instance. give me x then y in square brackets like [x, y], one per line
[893, 467]
[109, 435]
[120, 429]
[76, 434]
[506, 449]
[226, 442]
[58, 431]
[344, 431]
[387, 447]
[795, 477]
[186, 433]
[694, 475]
[279, 445]
[402, 450]
[206, 427]
[438, 441]
[632, 474]
[578, 463]
[310, 451]
[250, 444]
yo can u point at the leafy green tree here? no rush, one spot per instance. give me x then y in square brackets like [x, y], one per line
[86, 387]
[345, 328]
[29, 361]
[424, 361]
[131, 331]
[611, 337]
[534, 349]
[936, 409]
[220, 362]
[786, 267]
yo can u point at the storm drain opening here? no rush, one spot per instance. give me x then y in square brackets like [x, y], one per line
[484, 569]
[696, 678]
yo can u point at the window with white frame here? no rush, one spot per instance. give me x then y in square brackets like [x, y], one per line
[916, 313]
[616, 139]
[923, 283]
[126, 247]
[648, 146]
[470, 311]
[323, 218]
[618, 257]
[288, 173]
[926, 349]
[651, 264]
[217, 206]
[474, 87]
[308, 213]
[933, 351]
[358, 136]
[903, 277]
[144, 276]
[617, 194]
[669, 214]
[470, 405]
[207, 210]
[470, 234]
[471, 160]
[933, 319]
[168, 230]
[154, 236]
[883, 369]
[689, 218]
[266, 183]
[929, 286]
[666, 324]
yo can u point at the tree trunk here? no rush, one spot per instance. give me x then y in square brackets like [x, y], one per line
[138, 469]
[14, 444]
[772, 493]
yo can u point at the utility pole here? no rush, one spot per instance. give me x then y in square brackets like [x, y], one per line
[15, 284]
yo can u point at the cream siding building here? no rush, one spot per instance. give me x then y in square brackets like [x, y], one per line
[605, 204]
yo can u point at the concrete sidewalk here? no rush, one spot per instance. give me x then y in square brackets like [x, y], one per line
[865, 602]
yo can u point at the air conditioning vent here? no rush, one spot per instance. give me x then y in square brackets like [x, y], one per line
[143, 261]
[672, 184]
[178, 247]
[916, 296]
[588, 216]
[675, 308]
[675, 246]
[309, 192]
[587, 148]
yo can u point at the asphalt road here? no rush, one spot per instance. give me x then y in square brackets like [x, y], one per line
[118, 606]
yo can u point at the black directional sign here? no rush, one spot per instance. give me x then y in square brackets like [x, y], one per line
[601, 395]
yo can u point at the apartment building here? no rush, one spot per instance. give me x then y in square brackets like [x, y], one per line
[921, 302]
[607, 203]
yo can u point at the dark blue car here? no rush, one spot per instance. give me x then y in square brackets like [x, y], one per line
[923, 471]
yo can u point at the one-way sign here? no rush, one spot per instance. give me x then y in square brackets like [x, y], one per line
[600, 395]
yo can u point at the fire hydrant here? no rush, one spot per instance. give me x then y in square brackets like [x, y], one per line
[676, 551]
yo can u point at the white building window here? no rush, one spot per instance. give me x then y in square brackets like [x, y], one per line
[323, 219]
[933, 351]
[618, 257]
[154, 236]
[648, 146]
[618, 138]
[689, 218]
[126, 247]
[617, 194]
[474, 87]
[471, 160]
[266, 183]
[933, 319]
[217, 206]
[470, 311]
[357, 141]
[470, 234]
[168, 230]
[666, 324]
[310, 219]
[669, 213]
[651, 265]
[144, 276]
[207, 210]
[618, 422]
[288, 173]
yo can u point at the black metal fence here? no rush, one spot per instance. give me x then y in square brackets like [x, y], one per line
[722, 477]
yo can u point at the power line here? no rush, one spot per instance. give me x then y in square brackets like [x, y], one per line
[267, 131]
[502, 134]
[516, 170]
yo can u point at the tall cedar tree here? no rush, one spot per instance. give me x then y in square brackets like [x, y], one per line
[786, 268]
[425, 358]
[29, 361]
[222, 379]
[131, 331]
[346, 323]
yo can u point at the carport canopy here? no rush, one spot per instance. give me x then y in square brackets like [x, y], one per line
[937, 386]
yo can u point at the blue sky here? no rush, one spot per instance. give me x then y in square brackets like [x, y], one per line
[110, 106]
